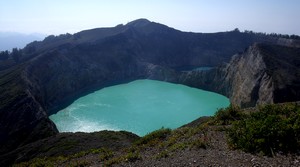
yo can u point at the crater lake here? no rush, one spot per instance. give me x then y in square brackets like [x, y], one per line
[141, 107]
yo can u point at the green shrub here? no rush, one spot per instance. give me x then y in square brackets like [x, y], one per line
[79, 163]
[113, 161]
[228, 115]
[80, 154]
[178, 146]
[132, 156]
[154, 137]
[274, 128]
[199, 143]
[37, 162]
[105, 154]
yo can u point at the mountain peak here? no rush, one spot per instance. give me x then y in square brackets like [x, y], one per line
[138, 22]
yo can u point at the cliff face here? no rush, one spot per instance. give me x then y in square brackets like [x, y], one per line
[22, 118]
[262, 74]
[247, 79]
[283, 65]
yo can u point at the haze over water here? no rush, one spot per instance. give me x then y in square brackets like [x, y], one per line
[141, 106]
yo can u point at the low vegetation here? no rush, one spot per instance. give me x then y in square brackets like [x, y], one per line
[273, 129]
[226, 116]
[154, 137]
[70, 160]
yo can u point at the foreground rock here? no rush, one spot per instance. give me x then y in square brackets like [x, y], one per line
[67, 144]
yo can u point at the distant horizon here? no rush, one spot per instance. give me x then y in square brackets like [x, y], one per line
[54, 17]
[74, 32]
[39, 34]
[10, 40]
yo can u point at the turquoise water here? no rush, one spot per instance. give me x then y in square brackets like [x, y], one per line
[202, 68]
[193, 68]
[141, 106]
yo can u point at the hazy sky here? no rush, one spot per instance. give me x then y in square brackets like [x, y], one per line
[62, 16]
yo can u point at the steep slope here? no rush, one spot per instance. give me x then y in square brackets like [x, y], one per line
[248, 80]
[22, 118]
[265, 74]
[262, 74]
[283, 64]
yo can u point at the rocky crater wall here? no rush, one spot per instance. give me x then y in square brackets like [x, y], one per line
[61, 69]
[249, 80]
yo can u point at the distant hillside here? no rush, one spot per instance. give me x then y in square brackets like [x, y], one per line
[9, 40]
[152, 42]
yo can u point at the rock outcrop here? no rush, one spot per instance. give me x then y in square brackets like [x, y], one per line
[262, 74]
[245, 79]
[22, 118]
